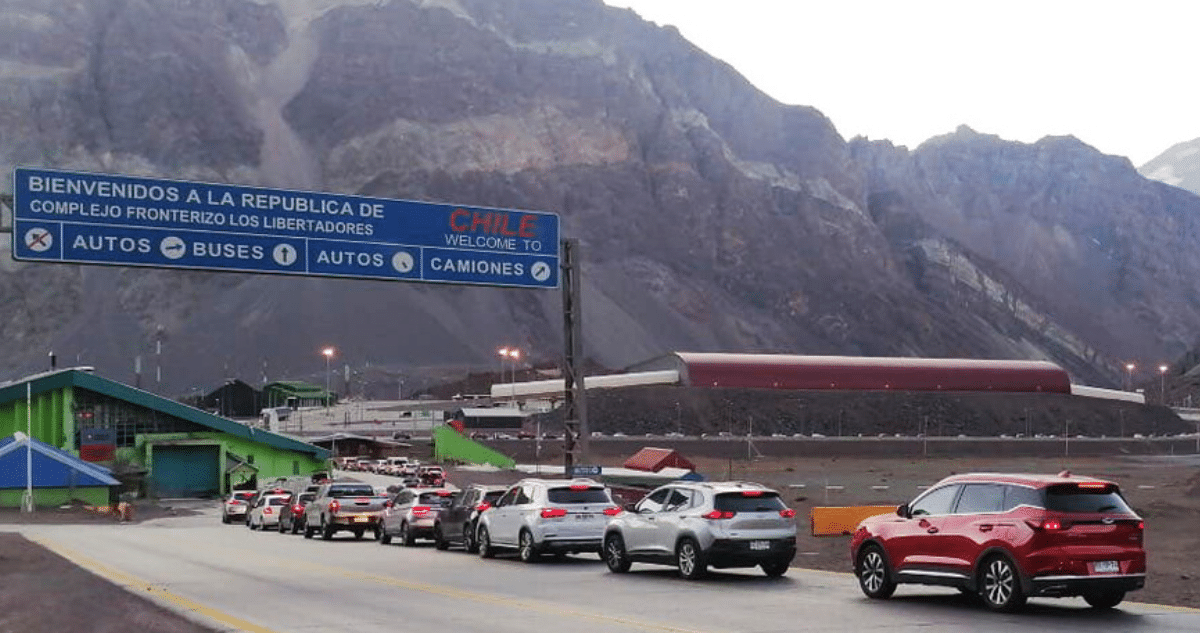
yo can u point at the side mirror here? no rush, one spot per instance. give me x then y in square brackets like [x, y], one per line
[902, 511]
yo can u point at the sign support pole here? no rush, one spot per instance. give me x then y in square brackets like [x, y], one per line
[575, 435]
[27, 499]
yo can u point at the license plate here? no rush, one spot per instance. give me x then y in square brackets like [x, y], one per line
[760, 545]
[582, 517]
[1107, 567]
[361, 519]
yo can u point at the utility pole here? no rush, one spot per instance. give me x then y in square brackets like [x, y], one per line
[575, 431]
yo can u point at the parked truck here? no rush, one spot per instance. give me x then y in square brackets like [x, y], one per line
[343, 506]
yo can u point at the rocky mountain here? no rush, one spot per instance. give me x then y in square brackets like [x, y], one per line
[1178, 166]
[710, 216]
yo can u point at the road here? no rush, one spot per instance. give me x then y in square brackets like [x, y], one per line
[236, 579]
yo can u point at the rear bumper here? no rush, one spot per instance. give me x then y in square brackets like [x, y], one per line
[571, 545]
[359, 521]
[737, 553]
[1079, 585]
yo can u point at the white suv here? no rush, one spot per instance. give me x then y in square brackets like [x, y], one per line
[537, 516]
[697, 525]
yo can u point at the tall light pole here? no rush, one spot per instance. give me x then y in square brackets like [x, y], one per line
[328, 353]
[1162, 383]
[503, 352]
[1129, 367]
[515, 355]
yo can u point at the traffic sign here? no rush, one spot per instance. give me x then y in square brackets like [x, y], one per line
[88, 218]
[584, 471]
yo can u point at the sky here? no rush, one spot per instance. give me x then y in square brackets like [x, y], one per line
[1118, 75]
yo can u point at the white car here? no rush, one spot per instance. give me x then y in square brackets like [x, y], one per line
[693, 526]
[538, 516]
[265, 513]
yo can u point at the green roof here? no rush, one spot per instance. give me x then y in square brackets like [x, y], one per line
[52, 381]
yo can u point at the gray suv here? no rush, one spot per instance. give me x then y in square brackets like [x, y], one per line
[694, 526]
[539, 516]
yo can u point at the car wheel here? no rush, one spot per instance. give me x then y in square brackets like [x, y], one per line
[528, 551]
[690, 560]
[407, 538]
[358, 534]
[485, 543]
[384, 537]
[614, 554]
[1105, 599]
[439, 539]
[1000, 585]
[326, 530]
[251, 525]
[469, 540]
[225, 519]
[776, 568]
[308, 532]
[873, 576]
[295, 527]
[280, 526]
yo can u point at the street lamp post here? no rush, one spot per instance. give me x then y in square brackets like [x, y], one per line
[1162, 383]
[514, 354]
[1129, 367]
[328, 353]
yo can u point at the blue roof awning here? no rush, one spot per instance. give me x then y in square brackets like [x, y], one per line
[52, 468]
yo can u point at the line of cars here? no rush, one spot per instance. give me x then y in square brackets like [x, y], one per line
[998, 538]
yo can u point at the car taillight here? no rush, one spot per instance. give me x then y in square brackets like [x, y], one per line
[787, 513]
[612, 511]
[718, 514]
[1093, 486]
[751, 493]
[334, 506]
[1051, 525]
[483, 506]
[1141, 525]
[420, 511]
[297, 509]
[579, 486]
[553, 513]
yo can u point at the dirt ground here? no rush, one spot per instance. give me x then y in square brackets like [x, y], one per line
[42, 592]
[1164, 490]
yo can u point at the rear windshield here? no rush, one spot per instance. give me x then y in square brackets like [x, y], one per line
[243, 495]
[1072, 498]
[589, 495]
[492, 496]
[352, 491]
[306, 497]
[435, 499]
[739, 502]
[277, 501]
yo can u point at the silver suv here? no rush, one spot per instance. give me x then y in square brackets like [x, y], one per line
[699, 525]
[537, 516]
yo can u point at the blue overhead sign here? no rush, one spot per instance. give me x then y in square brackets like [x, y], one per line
[89, 218]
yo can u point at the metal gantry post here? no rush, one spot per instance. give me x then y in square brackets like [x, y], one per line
[575, 433]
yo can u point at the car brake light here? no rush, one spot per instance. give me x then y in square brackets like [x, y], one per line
[420, 511]
[1052, 524]
[1093, 486]
[483, 506]
[718, 514]
[579, 486]
[1141, 525]
[787, 513]
[612, 511]
[552, 513]
[751, 493]
[297, 509]
[334, 506]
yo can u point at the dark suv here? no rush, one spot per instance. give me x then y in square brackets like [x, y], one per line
[455, 525]
[1006, 538]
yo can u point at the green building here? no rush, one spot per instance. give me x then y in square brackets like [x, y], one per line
[296, 394]
[183, 451]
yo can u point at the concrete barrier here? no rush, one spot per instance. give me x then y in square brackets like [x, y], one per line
[826, 521]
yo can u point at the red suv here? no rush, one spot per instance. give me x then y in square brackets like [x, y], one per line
[1006, 538]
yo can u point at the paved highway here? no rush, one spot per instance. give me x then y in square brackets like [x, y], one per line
[236, 579]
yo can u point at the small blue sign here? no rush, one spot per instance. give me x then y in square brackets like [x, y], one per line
[89, 218]
[584, 471]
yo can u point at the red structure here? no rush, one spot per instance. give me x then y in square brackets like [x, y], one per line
[655, 459]
[787, 371]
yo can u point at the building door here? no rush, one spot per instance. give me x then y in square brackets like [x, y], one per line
[186, 471]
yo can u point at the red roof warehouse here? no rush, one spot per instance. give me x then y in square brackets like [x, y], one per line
[655, 459]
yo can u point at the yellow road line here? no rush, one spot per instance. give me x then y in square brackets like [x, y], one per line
[142, 587]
